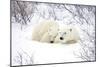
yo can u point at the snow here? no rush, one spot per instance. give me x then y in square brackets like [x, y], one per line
[42, 52]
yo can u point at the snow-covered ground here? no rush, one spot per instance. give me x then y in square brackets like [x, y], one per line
[39, 52]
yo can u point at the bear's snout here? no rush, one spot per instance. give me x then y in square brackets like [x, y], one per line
[51, 41]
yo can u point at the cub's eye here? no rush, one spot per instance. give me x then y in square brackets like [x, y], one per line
[64, 32]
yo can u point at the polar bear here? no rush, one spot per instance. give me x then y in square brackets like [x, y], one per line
[42, 28]
[50, 35]
[67, 35]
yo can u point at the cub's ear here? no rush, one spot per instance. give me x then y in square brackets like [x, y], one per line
[70, 30]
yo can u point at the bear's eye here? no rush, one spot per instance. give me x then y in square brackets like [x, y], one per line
[70, 30]
[64, 32]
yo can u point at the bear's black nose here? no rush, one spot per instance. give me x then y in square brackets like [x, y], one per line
[51, 41]
[61, 38]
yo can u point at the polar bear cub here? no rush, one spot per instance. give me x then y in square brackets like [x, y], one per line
[50, 35]
[67, 35]
[45, 31]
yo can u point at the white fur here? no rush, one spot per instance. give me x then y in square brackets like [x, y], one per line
[50, 35]
[69, 35]
[43, 30]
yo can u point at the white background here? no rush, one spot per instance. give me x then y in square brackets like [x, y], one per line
[5, 33]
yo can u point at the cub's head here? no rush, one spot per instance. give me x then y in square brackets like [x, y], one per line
[53, 32]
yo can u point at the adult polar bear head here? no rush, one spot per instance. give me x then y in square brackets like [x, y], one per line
[67, 35]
